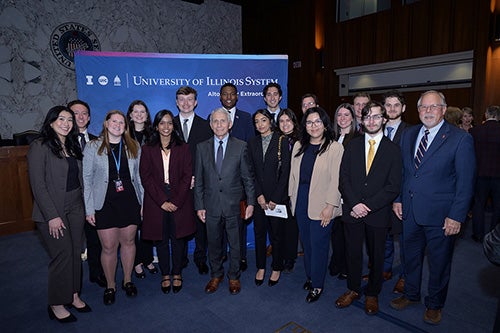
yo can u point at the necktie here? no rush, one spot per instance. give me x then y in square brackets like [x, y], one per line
[220, 157]
[82, 140]
[389, 132]
[371, 155]
[422, 148]
[185, 130]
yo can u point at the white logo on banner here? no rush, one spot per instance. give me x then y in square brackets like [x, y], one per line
[103, 80]
[117, 82]
[89, 80]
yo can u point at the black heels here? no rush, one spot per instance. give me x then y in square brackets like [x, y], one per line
[109, 296]
[272, 283]
[68, 319]
[313, 295]
[176, 289]
[140, 275]
[259, 282]
[84, 309]
[130, 289]
[153, 270]
[166, 289]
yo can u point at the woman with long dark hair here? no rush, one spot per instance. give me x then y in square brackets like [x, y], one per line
[166, 172]
[113, 198]
[314, 194]
[270, 159]
[55, 171]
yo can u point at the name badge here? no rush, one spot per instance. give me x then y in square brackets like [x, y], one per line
[119, 185]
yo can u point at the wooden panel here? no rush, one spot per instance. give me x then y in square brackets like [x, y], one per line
[440, 25]
[419, 33]
[401, 33]
[16, 197]
[462, 35]
[382, 49]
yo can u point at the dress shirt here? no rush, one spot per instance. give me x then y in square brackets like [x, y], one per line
[224, 145]
[394, 130]
[432, 134]
[189, 123]
[232, 113]
[377, 139]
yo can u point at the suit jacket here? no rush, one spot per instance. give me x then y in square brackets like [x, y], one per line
[243, 128]
[397, 136]
[48, 176]
[268, 182]
[152, 179]
[378, 188]
[200, 131]
[220, 194]
[487, 146]
[96, 177]
[324, 187]
[443, 184]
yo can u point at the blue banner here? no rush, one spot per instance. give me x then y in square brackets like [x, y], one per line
[112, 80]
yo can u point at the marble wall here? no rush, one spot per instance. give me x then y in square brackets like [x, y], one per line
[31, 78]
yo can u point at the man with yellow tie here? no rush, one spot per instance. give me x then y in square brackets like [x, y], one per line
[370, 180]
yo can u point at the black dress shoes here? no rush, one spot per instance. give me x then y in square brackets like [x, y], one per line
[313, 295]
[140, 275]
[68, 319]
[243, 265]
[307, 285]
[130, 289]
[109, 296]
[202, 268]
[178, 288]
[166, 289]
[259, 282]
[100, 280]
[272, 283]
[153, 270]
[84, 309]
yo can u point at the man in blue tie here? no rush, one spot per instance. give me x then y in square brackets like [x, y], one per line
[437, 187]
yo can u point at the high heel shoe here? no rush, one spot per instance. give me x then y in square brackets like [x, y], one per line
[259, 282]
[68, 319]
[140, 275]
[153, 270]
[175, 288]
[166, 289]
[84, 309]
[109, 296]
[313, 295]
[272, 283]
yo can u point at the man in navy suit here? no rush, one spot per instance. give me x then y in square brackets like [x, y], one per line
[242, 129]
[223, 175]
[438, 183]
[194, 130]
[370, 180]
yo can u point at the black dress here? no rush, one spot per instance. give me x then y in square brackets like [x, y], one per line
[120, 209]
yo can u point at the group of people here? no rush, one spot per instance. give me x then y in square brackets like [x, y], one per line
[146, 183]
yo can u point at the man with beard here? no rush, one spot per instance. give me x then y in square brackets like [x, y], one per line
[368, 190]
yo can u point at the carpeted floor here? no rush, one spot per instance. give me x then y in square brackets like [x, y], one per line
[471, 305]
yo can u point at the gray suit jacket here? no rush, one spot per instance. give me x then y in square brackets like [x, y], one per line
[96, 177]
[220, 195]
[48, 176]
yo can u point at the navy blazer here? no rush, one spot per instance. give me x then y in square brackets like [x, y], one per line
[220, 194]
[268, 182]
[443, 184]
[487, 146]
[243, 128]
[378, 188]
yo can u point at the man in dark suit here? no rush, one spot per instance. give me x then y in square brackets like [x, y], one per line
[438, 182]
[272, 97]
[194, 130]
[368, 190]
[395, 105]
[487, 147]
[93, 246]
[242, 129]
[223, 175]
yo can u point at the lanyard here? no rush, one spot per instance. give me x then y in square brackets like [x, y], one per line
[118, 162]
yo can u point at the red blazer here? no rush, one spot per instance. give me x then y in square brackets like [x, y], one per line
[180, 173]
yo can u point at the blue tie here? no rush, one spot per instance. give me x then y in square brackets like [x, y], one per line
[389, 132]
[219, 158]
[422, 148]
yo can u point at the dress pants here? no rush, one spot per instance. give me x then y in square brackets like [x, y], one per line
[268, 226]
[290, 237]
[485, 186]
[355, 235]
[170, 244]
[215, 234]
[94, 249]
[143, 249]
[200, 239]
[65, 266]
[315, 240]
[338, 259]
[416, 238]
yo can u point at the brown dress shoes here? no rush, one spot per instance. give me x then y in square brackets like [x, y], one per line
[346, 299]
[401, 303]
[432, 317]
[371, 305]
[399, 288]
[234, 287]
[213, 284]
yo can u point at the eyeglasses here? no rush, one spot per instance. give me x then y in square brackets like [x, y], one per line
[309, 104]
[432, 107]
[373, 117]
[316, 123]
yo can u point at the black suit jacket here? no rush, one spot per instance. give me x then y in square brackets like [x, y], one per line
[378, 188]
[200, 131]
[487, 148]
[268, 182]
[220, 194]
[397, 136]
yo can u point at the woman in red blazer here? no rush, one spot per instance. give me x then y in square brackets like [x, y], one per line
[166, 171]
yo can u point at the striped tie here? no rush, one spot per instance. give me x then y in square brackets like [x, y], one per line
[422, 148]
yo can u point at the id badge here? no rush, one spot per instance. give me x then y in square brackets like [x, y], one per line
[118, 185]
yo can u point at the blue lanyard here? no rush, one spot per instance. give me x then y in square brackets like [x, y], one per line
[118, 162]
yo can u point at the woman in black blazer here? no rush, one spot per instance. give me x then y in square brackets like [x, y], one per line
[270, 159]
[55, 171]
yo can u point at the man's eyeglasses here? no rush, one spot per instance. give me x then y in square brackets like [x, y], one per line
[432, 107]
[374, 117]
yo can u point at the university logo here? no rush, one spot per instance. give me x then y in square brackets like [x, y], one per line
[70, 37]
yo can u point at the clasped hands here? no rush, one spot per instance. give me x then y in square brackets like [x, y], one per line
[360, 210]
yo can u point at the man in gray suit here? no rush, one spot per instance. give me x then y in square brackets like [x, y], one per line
[223, 176]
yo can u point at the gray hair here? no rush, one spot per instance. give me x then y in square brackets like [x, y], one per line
[222, 110]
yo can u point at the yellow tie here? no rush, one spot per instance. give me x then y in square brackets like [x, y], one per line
[371, 155]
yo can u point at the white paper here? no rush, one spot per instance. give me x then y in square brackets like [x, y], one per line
[278, 211]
